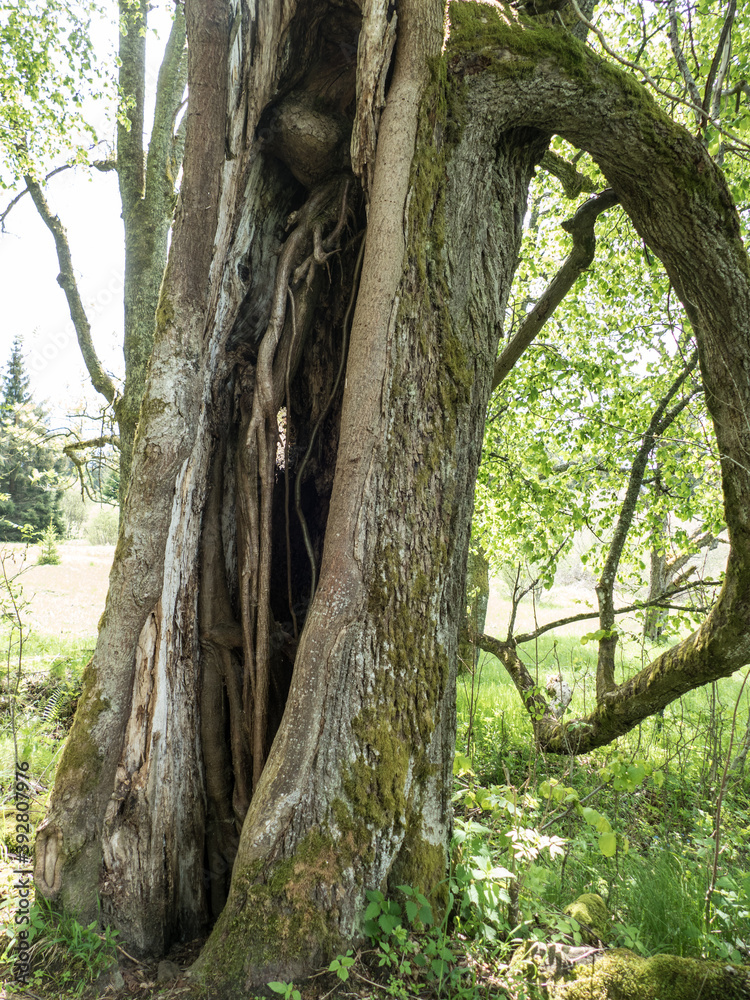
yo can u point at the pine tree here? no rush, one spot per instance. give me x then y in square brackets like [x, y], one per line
[29, 466]
[16, 380]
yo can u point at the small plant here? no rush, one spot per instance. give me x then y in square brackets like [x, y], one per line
[49, 554]
[286, 990]
[77, 954]
[411, 944]
[341, 965]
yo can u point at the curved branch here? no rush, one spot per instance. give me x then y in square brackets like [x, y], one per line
[581, 228]
[67, 281]
[667, 678]
[655, 602]
[681, 206]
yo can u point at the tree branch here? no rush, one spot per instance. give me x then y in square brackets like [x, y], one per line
[67, 281]
[97, 442]
[581, 228]
[132, 82]
[681, 61]
[650, 80]
[660, 421]
[657, 602]
[103, 165]
[719, 65]
[165, 148]
[572, 180]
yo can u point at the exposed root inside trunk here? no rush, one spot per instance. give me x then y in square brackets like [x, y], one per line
[249, 637]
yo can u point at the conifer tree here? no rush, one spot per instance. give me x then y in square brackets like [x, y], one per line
[29, 466]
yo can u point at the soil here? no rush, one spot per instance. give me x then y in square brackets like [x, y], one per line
[65, 600]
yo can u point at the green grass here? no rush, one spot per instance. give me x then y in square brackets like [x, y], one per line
[44, 706]
[655, 884]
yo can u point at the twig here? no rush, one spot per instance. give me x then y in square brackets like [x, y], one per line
[103, 165]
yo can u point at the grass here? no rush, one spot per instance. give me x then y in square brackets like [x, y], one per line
[657, 880]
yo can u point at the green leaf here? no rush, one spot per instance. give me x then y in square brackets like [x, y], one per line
[608, 844]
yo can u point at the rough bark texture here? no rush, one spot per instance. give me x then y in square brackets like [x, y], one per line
[147, 182]
[180, 763]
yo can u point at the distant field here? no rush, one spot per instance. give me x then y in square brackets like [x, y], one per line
[66, 600]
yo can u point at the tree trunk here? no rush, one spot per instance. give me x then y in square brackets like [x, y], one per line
[187, 758]
[476, 601]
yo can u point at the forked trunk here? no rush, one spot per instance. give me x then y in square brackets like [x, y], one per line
[278, 514]
[277, 484]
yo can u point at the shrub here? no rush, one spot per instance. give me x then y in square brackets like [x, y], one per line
[102, 529]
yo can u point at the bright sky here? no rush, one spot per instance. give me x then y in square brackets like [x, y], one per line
[33, 305]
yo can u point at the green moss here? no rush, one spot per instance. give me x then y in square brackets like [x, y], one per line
[273, 922]
[590, 911]
[424, 866]
[81, 762]
[622, 975]
[123, 551]
[165, 314]
[507, 44]
[152, 408]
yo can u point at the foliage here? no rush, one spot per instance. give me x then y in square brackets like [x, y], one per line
[47, 71]
[563, 427]
[411, 945]
[63, 951]
[636, 824]
[30, 468]
[74, 512]
[286, 990]
[102, 528]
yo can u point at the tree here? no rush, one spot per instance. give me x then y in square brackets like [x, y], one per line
[344, 550]
[16, 380]
[29, 467]
[147, 179]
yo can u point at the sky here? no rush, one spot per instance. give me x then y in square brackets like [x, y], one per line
[33, 305]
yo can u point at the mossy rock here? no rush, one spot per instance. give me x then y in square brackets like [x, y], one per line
[591, 913]
[622, 975]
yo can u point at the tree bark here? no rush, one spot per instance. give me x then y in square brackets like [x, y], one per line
[179, 754]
